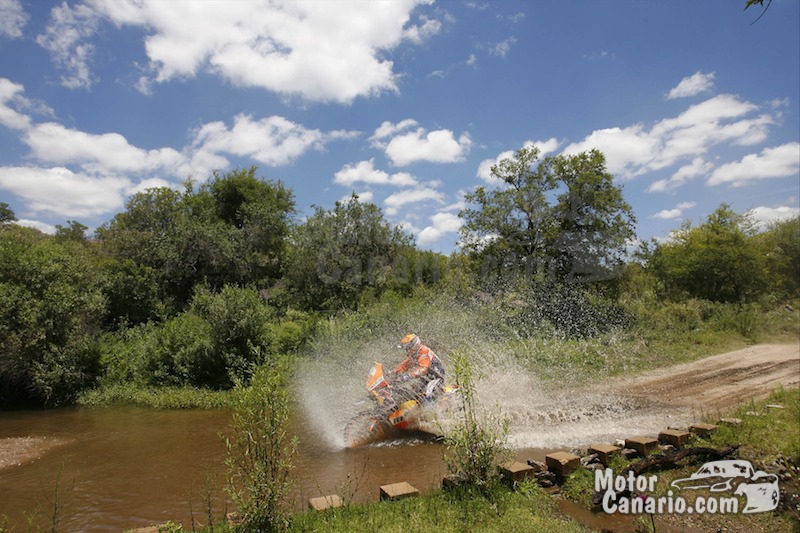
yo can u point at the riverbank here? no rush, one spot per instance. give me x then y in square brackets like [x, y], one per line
[333, 468]
[768, 437]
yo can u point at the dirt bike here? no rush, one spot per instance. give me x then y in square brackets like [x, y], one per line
[396, 409]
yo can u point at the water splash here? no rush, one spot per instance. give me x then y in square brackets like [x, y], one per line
[544, 414]
[556, 411]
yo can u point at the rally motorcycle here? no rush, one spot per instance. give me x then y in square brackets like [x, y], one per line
[396, 409]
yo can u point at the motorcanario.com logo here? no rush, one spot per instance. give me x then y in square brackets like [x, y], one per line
[723, 481]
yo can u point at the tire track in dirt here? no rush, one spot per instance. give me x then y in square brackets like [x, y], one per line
[646, 403]
[718, 381]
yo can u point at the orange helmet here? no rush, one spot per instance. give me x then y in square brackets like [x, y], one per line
[410, 343]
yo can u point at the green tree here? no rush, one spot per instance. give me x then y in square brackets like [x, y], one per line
[51, 307]
[261, 212]
[339, 254]
[141, 241]
[6, 214]
[241, 330]
[780, 246]
[133, 293]
[595, 223]
[563, 217]
[718, 260]
[514, 221]
[231, 230]
[75, 231]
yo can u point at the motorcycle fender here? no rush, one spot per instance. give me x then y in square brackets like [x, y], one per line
[398, 419]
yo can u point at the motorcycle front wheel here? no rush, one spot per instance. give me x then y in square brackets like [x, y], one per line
[363, 429]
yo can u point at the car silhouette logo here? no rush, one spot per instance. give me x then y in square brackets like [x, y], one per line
[717, 476]
[762, 491]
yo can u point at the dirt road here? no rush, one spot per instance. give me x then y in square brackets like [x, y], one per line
[721, 380]
[646, 403]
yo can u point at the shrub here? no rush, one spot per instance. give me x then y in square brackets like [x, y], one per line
[240, 326]
[50, 311]
[476, 443]
[259, 453]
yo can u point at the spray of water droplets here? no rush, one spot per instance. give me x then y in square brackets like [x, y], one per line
[549, 412]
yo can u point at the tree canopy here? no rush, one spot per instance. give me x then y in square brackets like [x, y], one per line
[338, 254]
[197, 287]
[563, 217]
[719, 260]
[232, 230]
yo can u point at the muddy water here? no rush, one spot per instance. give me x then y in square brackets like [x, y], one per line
[114, 469]
[123, 468]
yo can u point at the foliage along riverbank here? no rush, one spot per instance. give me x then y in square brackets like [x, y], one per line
[667, 335]
[195, 288]
[768, 437]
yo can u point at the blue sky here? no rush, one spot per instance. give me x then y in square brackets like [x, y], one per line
[407, 103]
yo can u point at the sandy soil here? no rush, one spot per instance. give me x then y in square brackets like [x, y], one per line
[719, 381]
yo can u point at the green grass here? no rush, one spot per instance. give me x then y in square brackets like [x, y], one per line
[156, 398]
[765, 432]
[495, 510]
[666, 335]
[527, 509]
[764, 435]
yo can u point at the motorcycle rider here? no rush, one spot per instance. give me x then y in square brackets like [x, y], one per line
[421, 365]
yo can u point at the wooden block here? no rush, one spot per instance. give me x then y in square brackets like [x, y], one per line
[516, 471]
[325, 502]
[702, 429]
[396, 491]
[731, 422]
[562, 463]
[603, 452]
[642, 445]
[675, 437]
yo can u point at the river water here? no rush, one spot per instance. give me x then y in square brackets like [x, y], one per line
[111, 469]
[118, 468]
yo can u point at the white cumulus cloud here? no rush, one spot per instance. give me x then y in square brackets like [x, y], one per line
[73, 173]
[104, 153]
[62, 192]
[398, 200]
[692, 85]
[320, 51]
[503, 47]
[777, 162]
[365, 172]
[635, 149]
[11, 92]
[441, 224]
[44, 227]
[698, 167]
[764, 216]
[676, 212]
[67, 38]
[13, 18]
[272, 140]
[439, 146]
[388, 129]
